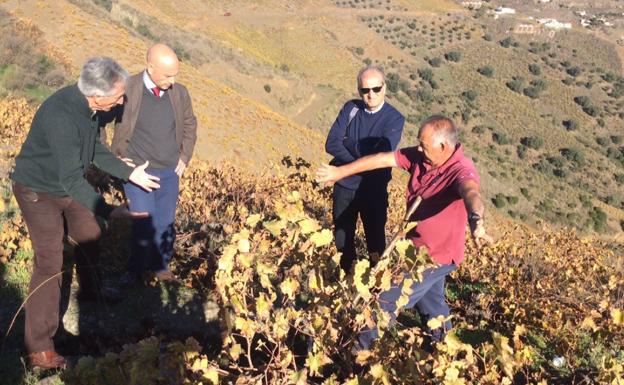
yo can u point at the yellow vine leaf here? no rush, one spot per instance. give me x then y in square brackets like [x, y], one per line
[263, 306]
[352, 381]
[247, 327]
[275, 227]
[410, 226]
[322, 238]
[212, 374]
[589, 324]
[505, 353]
[2, 206]
[361, 279]
[253, 220]
[402, 245]
[290, 287]
[243, 245]
[226, 262]
[315, 361]
[235, 351]
[386, 280]
[308, 225]
[618, 316]
[378, 372]
[406, 291]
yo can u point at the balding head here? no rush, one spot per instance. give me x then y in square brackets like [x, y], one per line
[162, 65]
[437, 139]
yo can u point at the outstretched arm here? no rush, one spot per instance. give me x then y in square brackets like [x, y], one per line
[331, 174]
[469, 191]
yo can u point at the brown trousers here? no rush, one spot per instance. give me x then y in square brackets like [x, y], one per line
[47, 217]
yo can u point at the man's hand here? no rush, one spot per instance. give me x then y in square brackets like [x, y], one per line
[180, 168]
[328, 174]
[122, 212]
[144, 180]
[477, 229]
[128, 162]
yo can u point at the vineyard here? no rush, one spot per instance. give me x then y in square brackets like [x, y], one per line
[539, 307]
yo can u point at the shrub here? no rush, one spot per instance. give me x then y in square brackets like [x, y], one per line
[144, 31]
[469, 95]
[521, 150]
[603, 141]
[478, 129]
[515, 84]
[571, 125]
[267, 88]
[486, 71]
[435, 62]
[499, 200]
[619, 178]
[425, 74]
[616, 139]
[500, 138]
[453, 56]
[534, 142]
[392, 82]
[512, 200]
[487, 37]
[573, 71]
[359, 51]
[424, 95]
[582, 100]
[573, 154]
[506, 42]
[535, 69]
[599, 218]
[525, 192]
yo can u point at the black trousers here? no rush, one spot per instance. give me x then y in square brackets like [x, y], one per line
[371, 205]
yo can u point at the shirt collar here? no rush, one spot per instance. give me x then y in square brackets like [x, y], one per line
[149, 84]
[376, 109]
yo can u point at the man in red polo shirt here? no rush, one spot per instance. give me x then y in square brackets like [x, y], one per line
[448, 184]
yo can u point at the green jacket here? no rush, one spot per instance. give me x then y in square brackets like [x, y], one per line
[62, 142]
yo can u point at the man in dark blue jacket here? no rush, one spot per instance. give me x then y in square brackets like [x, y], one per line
[363, 127]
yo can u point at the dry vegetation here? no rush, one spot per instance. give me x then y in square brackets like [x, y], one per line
[261, 245]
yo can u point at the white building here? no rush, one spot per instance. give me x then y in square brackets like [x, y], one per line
[554, 24]
[504, 11]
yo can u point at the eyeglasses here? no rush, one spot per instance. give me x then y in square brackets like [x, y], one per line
[365, 91]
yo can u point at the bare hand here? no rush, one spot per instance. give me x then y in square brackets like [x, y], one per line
[128, 161]
[144, 180]
[122, 212]
[481, 238]
[327, 174]
[180, 168]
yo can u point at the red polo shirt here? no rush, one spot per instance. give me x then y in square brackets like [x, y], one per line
[441, 216]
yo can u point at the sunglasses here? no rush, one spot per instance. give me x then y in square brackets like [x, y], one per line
[365, 91]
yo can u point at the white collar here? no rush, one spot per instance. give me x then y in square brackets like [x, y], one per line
[149, 84]
[376, 109]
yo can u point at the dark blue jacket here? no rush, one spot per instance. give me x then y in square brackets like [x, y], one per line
[366, 134]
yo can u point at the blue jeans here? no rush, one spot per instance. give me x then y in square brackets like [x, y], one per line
[427, 296]
[153, 237]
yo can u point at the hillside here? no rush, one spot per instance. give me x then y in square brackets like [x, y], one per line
[540, 108]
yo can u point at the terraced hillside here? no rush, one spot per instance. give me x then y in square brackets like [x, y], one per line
[541, 109]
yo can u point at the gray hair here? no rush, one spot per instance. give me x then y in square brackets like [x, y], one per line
[99, 76]
[444, 130]
[371, 67]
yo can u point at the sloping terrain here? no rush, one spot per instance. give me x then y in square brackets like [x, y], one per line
[540, 109]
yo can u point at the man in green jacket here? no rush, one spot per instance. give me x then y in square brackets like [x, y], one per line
[51, 190]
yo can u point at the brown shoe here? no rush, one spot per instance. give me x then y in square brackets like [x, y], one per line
[166, 276]
[46, 360]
